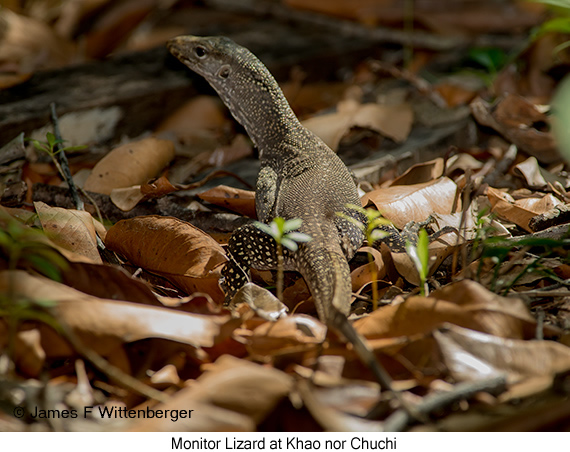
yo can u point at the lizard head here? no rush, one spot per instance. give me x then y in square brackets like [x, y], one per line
[245, 85]
[219, 60]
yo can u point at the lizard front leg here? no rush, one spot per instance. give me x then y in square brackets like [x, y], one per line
[248, 247]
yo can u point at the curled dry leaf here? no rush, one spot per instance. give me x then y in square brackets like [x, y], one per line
[130, 164]
[127, 198]
[472, 355]
[237, 386]
[421, 173]
[536, 177]
[264, 303]
[516, 119]
[293, 331]
[520, 211]
[105, 324]
[235, 199]
[329, 407]
[465, 303]
[392, 121]
[404, 203]
[363, 275]
[73, 230]
[172, 248]
[165, 376]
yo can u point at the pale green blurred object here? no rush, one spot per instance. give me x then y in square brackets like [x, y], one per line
[561, 118]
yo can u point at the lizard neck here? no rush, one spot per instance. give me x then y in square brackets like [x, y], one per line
[262, 109]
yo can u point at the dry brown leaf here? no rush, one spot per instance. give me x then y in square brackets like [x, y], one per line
[455, 94]
[108, 281]
[329, 406]
[261, 301]
[293, 331]
[309, 98]
[204, 417]
[235, 199]
[520, 211]
[421, 173]
[127, 198]
[465, 303]
[516, 119]
[472, 355]
[115, 24]
[363, 275]
[242, 386]
[536, 177]
[199, 120]
[238, 387]
[29, 355]
[462, 162]
[444, 17]
[130, 164]
[30, 44]
[171, 248]
[393, 121]
[165, 376]
[71, 14]
[402, 204]
[105, 324]
[73, 230]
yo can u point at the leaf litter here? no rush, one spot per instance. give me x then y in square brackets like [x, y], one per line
[496, 308]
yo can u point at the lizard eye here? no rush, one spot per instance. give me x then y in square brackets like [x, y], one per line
[224, 72]
[200, 52]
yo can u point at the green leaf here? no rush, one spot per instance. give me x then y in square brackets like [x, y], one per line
[378, 234]
[561, 113]
[38, 145]
[559, 3]
[413, 253]
[45, 267]
[298, 237]
[491, 58]
[291, 225]
[264, 227]
[423, 252]
[52, 141]
[556, 25]
[288, 243]
[354, 221]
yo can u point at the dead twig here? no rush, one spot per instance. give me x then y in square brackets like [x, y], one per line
[62, 159]
[400, 419]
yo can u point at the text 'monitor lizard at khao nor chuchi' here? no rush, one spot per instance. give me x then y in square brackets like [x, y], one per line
[300, 177]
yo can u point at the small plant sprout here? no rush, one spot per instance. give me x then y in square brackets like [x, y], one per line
[283, 232]
[372, 232]
[52, 147]
[419, 254]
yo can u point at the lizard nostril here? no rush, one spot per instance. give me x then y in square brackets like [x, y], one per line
[200, 51]
[224, 72]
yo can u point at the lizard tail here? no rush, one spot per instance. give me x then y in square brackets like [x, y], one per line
[328, 277]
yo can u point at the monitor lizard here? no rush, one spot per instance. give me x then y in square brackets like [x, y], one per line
[300, 177]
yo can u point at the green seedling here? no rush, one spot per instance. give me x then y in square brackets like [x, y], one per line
[52, 147]
[419, 254]
[285, 235]
[372, 231]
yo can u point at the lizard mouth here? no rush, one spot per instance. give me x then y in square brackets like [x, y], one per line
[177, 47]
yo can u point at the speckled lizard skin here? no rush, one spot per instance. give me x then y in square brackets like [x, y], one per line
[300, 177]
